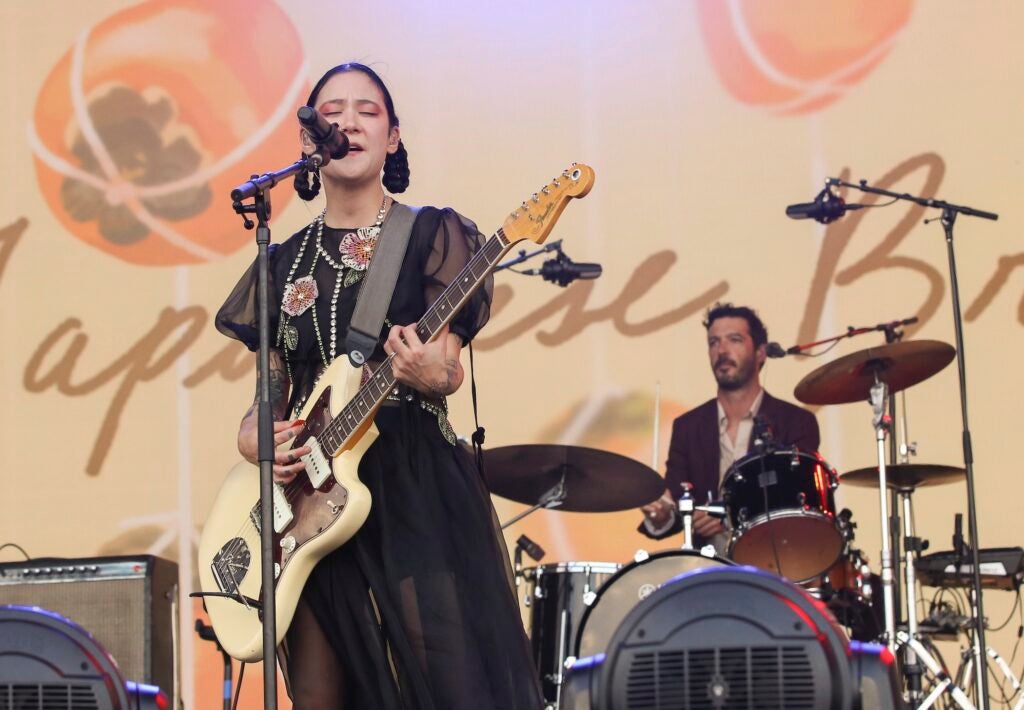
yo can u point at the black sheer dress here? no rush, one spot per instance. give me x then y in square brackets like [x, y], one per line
[417, 611]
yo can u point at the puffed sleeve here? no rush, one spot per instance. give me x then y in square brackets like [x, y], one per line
[455, 242]
[238, 317]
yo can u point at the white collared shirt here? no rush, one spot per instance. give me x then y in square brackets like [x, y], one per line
[731, 450]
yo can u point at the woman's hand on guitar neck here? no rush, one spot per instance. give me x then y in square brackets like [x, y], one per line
[287, 464]
[433, 369]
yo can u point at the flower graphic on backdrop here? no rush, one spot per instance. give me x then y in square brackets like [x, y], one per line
[798, 56]
[140, 138]
[143, 127]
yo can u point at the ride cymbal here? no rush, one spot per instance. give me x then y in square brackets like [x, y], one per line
[850, 378]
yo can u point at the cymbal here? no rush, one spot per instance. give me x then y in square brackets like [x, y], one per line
[595, 481]
[904, 475]
[899, 365]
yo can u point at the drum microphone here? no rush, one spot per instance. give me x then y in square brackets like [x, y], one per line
[535, 551]
[563, 270]
[332, 143]
[827, 207]
[773, 349]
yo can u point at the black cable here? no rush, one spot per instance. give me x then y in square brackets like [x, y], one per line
[823, 352]
[17, 547]
[1003, 625]
[238, 685]
[479, 432]
[884, 204]
[1000, 683]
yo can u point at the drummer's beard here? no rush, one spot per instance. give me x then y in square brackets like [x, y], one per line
[743, 371]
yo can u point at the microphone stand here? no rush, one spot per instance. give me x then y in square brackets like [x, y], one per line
[851, 332]
[524, 256]
[950, 212]
[258, 189]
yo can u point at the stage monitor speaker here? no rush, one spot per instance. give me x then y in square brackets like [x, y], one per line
[129, 604]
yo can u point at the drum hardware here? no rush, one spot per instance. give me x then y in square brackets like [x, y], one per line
[535, 551]
[879, 373]
[551, 498]
[686, 509]
[558, 602]
[882, 422]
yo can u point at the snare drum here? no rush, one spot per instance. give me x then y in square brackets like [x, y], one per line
[630, 586]
[783, 513]
[557, 596]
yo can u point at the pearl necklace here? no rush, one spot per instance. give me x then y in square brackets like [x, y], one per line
[364, 242]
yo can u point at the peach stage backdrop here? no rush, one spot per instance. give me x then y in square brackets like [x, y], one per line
[125, 123]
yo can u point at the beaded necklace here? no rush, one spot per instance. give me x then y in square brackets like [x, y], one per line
[300, 294]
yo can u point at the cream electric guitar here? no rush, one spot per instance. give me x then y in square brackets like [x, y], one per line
[322, 508]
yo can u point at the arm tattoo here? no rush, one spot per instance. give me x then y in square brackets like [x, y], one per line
[444, 387]
[279, 386]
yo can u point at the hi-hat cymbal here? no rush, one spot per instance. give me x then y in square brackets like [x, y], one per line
[850, 378]
[904, 476]
[595, 481]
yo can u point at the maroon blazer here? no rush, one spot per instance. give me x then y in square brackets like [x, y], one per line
[694, 451]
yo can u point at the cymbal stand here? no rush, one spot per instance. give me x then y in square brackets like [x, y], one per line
[945, 683]
[686, 508]
[552, 498]
[966, 672]
[914, 652]
[912, 547]
[882, 423]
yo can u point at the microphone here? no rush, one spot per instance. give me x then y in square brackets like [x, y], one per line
[827, 207]
[531, 548]
[959, 548]
[332, 143]
[775, 350]
[563, 270]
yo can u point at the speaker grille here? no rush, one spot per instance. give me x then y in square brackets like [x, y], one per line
[48, 696]
[740, 677]
[112, 610]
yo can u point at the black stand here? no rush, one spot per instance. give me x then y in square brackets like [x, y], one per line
[258, 188]
[206, 633]
[949, 214]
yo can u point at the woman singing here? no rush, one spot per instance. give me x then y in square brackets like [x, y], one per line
[416, 611]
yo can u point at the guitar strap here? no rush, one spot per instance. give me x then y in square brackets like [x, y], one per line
[379, 283]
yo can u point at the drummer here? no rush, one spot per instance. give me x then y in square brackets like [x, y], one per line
[707, 440]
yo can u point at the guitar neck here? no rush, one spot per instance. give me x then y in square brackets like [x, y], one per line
[440, 313]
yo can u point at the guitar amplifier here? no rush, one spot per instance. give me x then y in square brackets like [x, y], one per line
[128, 604]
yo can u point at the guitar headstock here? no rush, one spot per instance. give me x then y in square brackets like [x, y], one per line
[535, 218]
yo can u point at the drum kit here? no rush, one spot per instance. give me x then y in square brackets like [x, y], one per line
[779, 506]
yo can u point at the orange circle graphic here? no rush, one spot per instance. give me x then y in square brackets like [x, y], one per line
[143, 127]
[798, 56]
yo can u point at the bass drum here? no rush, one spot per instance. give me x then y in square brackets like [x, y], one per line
[630, 586]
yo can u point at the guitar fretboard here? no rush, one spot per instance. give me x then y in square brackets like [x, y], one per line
[437, 316]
